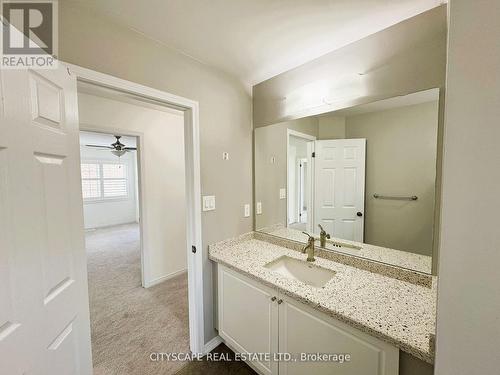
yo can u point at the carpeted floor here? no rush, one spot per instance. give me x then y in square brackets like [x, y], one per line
[129, 322]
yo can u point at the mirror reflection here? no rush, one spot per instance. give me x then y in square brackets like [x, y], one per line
[362, 180]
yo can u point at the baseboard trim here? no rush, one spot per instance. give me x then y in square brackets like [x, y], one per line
[212, 344]
[149, 284]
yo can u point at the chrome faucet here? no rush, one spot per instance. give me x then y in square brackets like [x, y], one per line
[309, 248]
[323, 236]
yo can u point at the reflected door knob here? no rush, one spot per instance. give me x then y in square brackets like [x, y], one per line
[359, 214]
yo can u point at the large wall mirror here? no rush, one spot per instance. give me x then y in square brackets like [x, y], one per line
[366, 176]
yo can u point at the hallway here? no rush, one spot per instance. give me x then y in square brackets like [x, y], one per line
[125, 318]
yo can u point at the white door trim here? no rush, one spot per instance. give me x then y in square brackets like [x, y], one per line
[289, 133]
[300, 186]
[193, 186]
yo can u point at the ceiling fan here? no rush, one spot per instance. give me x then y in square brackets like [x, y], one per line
[117, 148]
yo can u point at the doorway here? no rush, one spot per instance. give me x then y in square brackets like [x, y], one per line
[299, 179]
[133, 184]
[195, 258]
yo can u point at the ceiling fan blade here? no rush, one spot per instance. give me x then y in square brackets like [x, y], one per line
[99, 146]
[130, 148]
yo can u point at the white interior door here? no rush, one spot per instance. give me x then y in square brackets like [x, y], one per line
[44, 317]
[339, 187]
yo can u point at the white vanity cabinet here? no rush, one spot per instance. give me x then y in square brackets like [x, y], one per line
[256, 319]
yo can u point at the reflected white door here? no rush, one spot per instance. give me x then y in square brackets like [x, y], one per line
[339, 187]
[44, 317]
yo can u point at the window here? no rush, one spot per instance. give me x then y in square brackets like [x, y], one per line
[104, 180]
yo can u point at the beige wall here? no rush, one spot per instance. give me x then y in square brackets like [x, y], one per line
[468, 315]
[96, 42]
[400, 160]
[331, 127]
[271, 141]
[162, 177]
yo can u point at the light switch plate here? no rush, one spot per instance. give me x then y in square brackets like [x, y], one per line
[259, 208]
[282, 193]
[247, 210]
[208, 202]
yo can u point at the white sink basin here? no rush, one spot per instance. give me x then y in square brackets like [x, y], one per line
[302, 271]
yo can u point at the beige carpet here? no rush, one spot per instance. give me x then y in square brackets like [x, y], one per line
[129, 322]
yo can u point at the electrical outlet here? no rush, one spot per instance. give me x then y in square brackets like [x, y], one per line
[282, 193]
[259, 208]
[225, 156]
[208, 202]
[247, 210]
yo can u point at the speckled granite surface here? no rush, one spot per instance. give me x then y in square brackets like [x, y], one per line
[398, 312]
[416, 262]
[385, 269]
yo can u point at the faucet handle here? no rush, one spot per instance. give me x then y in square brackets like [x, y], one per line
[311, 238]
[323, 232]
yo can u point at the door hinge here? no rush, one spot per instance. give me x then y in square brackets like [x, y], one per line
[193, 249]
[313, 154]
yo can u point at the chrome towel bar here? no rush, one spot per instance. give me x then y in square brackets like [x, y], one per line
[396, 198]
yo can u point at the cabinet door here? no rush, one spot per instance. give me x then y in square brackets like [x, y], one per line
[304, 330]
[248, 318]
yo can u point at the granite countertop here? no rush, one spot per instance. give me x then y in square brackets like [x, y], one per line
[395, 311]
[417, 262]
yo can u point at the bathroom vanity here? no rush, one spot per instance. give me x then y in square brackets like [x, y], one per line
[359, 182]
[270, 300]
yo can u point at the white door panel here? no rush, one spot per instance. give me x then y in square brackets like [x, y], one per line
[11, 337]
[339, 187]
[248, 317]
[44, 255]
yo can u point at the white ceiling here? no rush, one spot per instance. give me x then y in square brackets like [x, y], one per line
[257, 39]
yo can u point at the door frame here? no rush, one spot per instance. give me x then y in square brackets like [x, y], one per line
[194, 247]
[300, 187]
[289, 134]
[146, 281]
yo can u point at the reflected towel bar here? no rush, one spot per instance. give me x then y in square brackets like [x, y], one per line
[412, 198]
